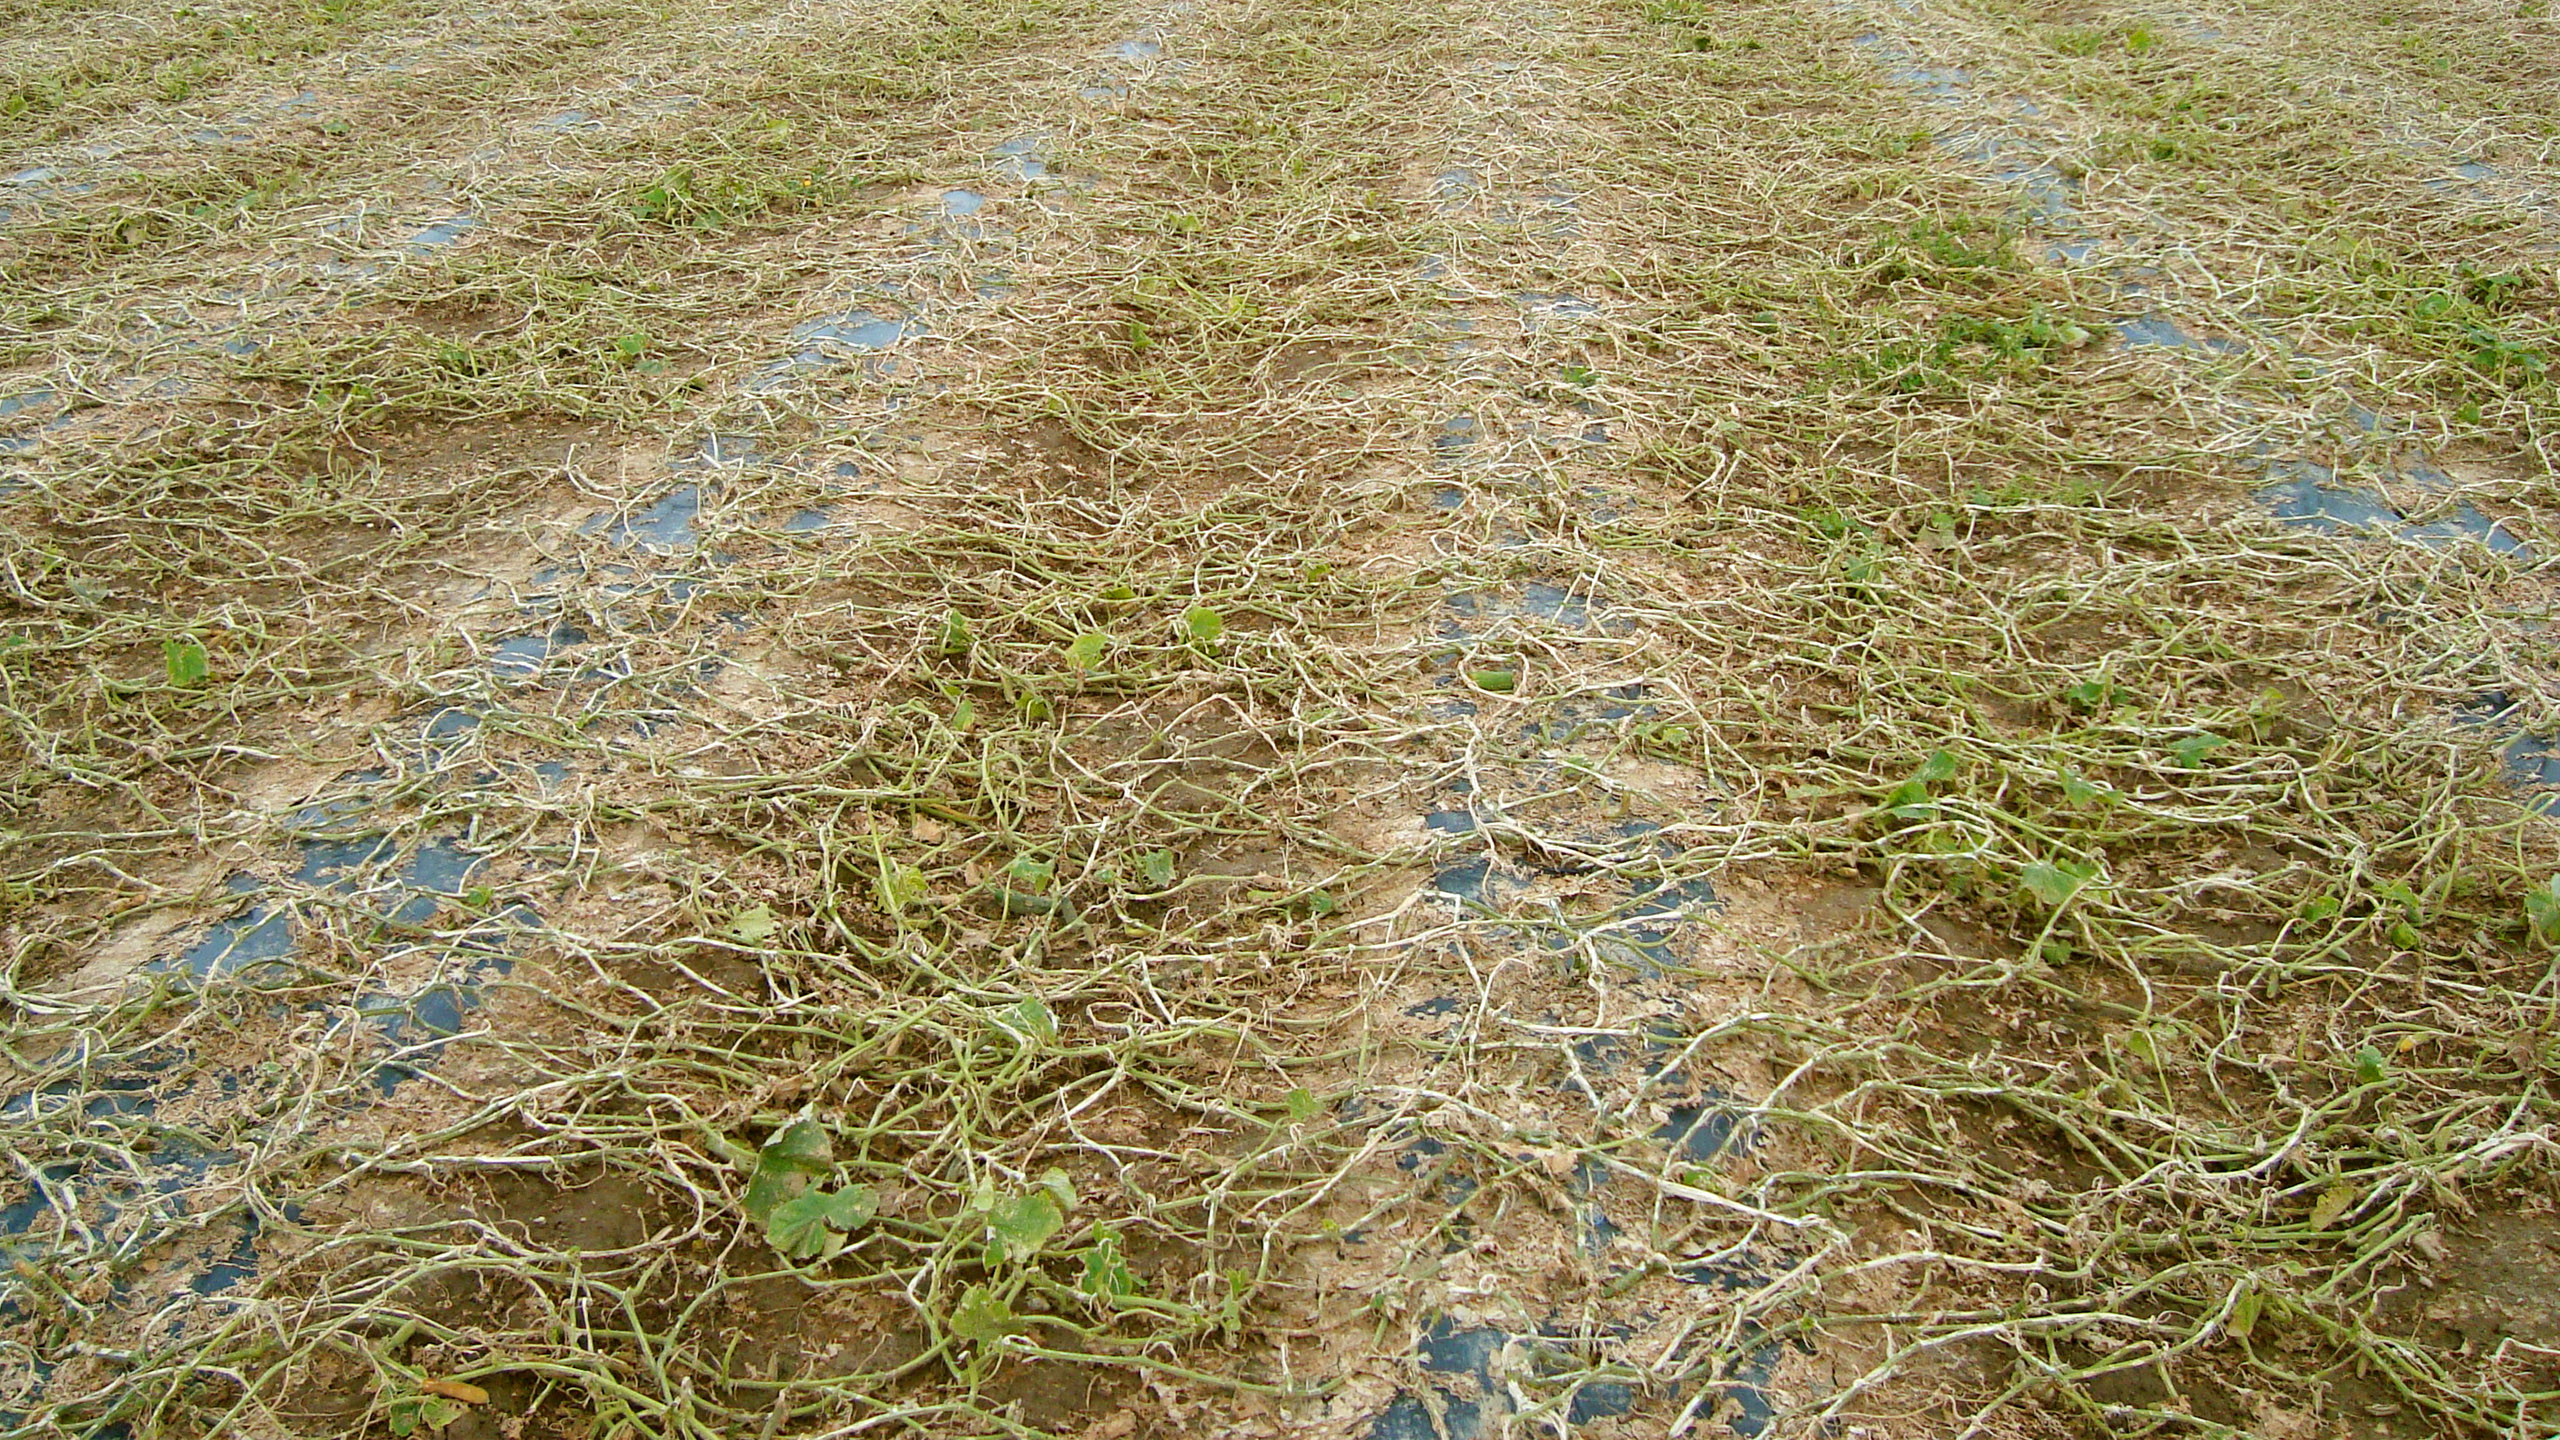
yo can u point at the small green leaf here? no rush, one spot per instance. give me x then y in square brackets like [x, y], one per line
[1156, 868]
[188, 664]
[1087, 649]
[2190, 752]
[1500, 682]
[1019, 1226]
[2090, 695]
[1302, 1105]
[2320, 907]
[2244, 1313]
[409, 1414]
[2369, 1066]
[955, 634]
[1581, 377]
[2057, 881]
[982, 1316]
[902, 888]
[1203, 625]
[813, 1226]
[753, 925]
[1938, 769]
[787, 1166]
[2077, 791]
[1106, 1275]
[963, 715]
[1119, 592]
[2542, 911]
[798, 1228]
[1031, 873]
[2143, 1047]
[1030, 1020]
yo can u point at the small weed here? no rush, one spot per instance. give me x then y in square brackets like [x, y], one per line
[1962, 251]
[688, 197]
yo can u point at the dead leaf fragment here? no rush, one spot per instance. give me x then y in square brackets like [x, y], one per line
[462, 1390]
[2333, 1202]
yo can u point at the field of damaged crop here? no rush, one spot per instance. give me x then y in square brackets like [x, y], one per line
[1376, 719]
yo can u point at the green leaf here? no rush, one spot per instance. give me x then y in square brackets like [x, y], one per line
[1909, 801]
[982, 1316]
[955, 634]
[2076, 791]
[2369, 1066]
[2244, 1313]
[2320, 907]
[814, 1225]
[2542, 911]
[2057, 881]
[2335, 1201]
[411, 1413]
[787, 1166]
[1031, 873]
[1022, 1224]
[963, 715]
[902, 888]
[1106, 1275]
[1156, 868]
[2190, 752]
[852, 1207]
[1938, 769]
[2090, 695]
[1119, 592]
[2143, 1047]
[753, 925]
[1500, 682]
[1581, 377]
[1031, 1020]
[188, 664]
[1203, 625]
[1231, 1309]
[1302, 1105]
[798, 1228]
[1087, 649]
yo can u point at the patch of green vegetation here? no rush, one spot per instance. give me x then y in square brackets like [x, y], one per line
[1965, 349]
[1953, 252]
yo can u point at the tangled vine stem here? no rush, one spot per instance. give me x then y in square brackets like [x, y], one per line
[1059, 717]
